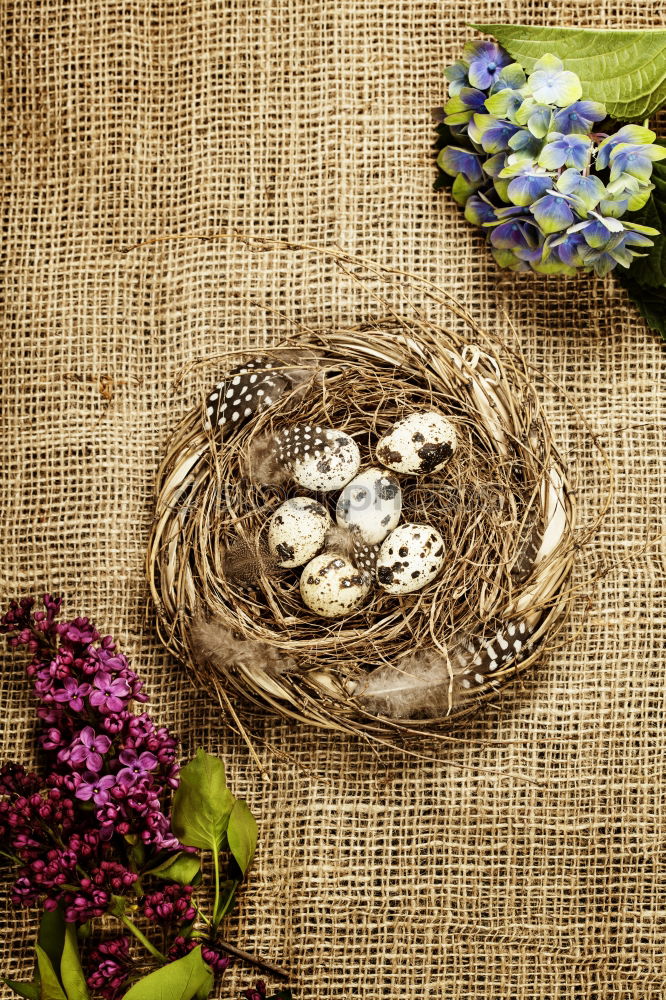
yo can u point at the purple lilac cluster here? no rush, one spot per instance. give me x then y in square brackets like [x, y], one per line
[212, 956]
[86, 834]
[112, 963]
[109, 772]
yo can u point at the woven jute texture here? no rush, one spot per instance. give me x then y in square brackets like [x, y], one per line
[527, 859]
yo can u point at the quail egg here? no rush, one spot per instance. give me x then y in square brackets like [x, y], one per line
[410, 557]
[320, 459]
[420, 443]
[332, 586]
[297, 530]
[371, 502]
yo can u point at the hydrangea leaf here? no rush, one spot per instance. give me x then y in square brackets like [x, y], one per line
[202, 804]
[625, 70]
[242, 834]
[187, 978]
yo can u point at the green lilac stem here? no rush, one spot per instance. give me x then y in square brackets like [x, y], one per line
[216, 863]
[144, 940]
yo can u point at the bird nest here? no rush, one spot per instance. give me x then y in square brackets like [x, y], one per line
[396, 664]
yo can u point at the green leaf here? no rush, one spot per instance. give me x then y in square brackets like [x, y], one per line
[202, 804]
[182, 868]
[187, 978]
[625, 70]
[51, 937]
[651, 269]
[71, 973]
[242, 834]
[645, 280]
[28, 990]
[651, 302]
[50, 988]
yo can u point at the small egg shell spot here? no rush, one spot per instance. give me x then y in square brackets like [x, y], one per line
[410, 558]
[330, 468]
[419, 444]
[297, 531]
[332, 586]
[371, 502]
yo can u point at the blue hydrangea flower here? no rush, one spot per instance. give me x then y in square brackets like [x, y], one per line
[598, 230]
[463, 188]
[518, 233]
[527, 165]
[568, 247]
[486, 60]
[637, 135]
[617, 251]
[525, 146]
[457, 77]
[511, 77]
[565, 151]
[537, 117]
[461, 108]
[494, 165]
[454, 160]
[585, 191]
[527, 184]
[507, 260]
[504, 104]
[579, 117]
[551, 83]
[479, 211]
[491, 134]
[553, 212]
[634, 160]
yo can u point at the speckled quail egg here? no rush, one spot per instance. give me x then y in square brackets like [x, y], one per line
[410, 557]
[371, 502]
[332, 586]
[420, 443]
[320, 458]
[297, 531]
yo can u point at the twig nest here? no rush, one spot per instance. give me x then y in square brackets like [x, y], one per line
[297, 531]
[332, 586]
[319, 458]
[419, 444]
[410, 558]
[371, 502]
[486, 531]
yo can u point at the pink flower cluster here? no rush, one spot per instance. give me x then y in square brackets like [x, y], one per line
[108, 776]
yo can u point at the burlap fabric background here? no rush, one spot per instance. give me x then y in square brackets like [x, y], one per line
[528, 861]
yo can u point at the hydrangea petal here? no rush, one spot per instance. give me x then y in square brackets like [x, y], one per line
[527, 187]
[508, 260]
[579, 117]
[539, 121]
[550, 83]
[552, 212]
[457, 77]
[479, 211]
[463, 189]
[588, 190]
[453, 160]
